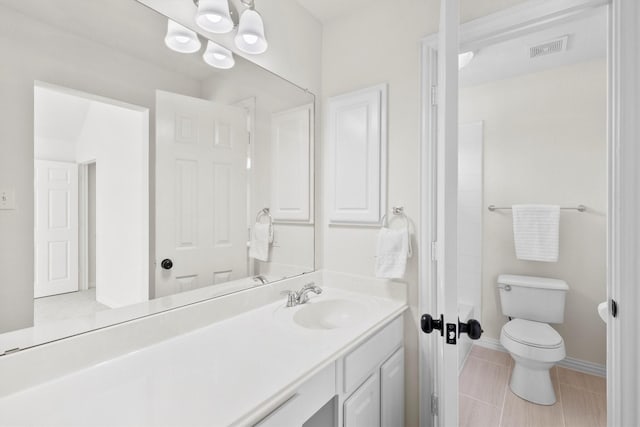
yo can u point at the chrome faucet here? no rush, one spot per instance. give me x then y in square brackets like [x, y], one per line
[302, 296]
[260, 278]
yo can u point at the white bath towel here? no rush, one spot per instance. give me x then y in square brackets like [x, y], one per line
[392, 253]
[260, 239]
[536, 230]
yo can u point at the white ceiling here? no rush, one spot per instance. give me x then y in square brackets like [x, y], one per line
[326, 10]
[587, 41]
[58, 116]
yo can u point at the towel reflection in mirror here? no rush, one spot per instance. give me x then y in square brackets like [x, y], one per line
[261, 236]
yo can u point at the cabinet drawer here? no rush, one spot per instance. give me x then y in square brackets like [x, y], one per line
[362, 361]
[310, 397]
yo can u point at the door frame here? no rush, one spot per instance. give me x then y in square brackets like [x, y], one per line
[623, 253]
[249, 105]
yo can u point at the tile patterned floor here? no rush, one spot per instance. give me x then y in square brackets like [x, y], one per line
[487, 401]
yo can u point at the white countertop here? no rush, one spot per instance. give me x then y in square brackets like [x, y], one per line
[227, 373]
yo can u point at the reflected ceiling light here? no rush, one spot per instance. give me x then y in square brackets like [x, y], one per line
[214, 16]
[181, 39]
[464, 58]
[218, 56]
[250, 37]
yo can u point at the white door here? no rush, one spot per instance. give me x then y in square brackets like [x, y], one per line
[201, 193]
[56, 228]
[445, 378]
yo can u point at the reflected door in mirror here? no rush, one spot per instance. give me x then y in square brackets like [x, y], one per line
[201, 186]
[56, 228]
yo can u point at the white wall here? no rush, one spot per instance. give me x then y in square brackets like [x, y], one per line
[470, 217]
[54, 149]
[380, 44]
[545, 142]
[35, 51]
[117, 139]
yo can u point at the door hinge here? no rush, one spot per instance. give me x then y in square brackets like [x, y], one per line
[434, 251]
[434, 404]
[434, 95]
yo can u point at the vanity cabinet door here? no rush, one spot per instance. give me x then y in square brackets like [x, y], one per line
[392, 390]
[362, 409]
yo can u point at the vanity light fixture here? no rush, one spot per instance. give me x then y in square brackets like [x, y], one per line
[181, 39]
[218, 56]
[214, 16]
[250, 37]
[464, 59]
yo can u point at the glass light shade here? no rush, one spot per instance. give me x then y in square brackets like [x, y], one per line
[464, 58]
[250, 37]
[218, 56]
[181, 39]
[214, 16]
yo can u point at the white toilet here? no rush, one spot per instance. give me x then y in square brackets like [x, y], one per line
[532, 303]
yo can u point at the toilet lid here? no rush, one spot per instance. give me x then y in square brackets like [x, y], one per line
[531, 333]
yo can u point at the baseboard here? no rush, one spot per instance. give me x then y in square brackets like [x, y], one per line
[568, 362]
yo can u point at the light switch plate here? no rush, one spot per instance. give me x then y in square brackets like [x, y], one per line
[7, 200]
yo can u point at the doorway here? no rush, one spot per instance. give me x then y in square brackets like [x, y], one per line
[584, 365]
[542, 98]
[91, 203]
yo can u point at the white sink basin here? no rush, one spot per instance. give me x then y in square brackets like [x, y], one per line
[330, 314]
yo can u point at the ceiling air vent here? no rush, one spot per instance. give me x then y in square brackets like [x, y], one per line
[547, 48]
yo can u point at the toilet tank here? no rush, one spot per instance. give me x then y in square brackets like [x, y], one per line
[540, 299]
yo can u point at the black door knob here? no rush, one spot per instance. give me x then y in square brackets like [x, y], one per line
[471, 328]
[166, 264]
[428, 324]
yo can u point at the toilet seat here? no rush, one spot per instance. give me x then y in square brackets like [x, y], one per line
[532, 340]
[531, 333]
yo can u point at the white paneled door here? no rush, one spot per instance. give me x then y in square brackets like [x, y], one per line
[201, 193]
[447, 213]
[56, 228]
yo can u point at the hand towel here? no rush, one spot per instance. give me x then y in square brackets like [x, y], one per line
[536, 230]
[392, 252]
[260, 238]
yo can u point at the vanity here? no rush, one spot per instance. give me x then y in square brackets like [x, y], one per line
[336, 360]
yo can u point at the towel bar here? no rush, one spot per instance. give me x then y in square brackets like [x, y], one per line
[579, 208]
[399, 211]
[264, 212]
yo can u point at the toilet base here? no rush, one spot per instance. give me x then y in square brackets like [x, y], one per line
[531, 381]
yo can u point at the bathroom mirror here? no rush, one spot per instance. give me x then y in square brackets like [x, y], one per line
[134, 175]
